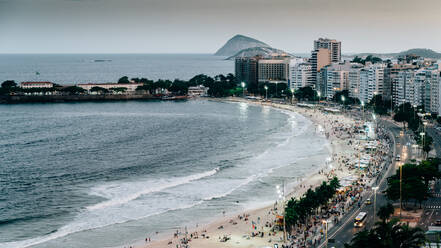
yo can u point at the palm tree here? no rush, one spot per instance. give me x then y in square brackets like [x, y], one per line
[390, 234]
[385, 212]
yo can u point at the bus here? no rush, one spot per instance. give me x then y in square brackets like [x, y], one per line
[359, 220]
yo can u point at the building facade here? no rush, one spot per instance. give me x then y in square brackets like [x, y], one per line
[246, 71]
[332, 45]
[273, 70]
[301, 75]
[30, 85]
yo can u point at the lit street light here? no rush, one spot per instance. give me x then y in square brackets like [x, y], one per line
[243, 88]
[343, 100]
[326, 232]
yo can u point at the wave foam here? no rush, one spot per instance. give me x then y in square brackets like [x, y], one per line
[175, 182]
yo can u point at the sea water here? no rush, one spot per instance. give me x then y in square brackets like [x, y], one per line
[110, 174]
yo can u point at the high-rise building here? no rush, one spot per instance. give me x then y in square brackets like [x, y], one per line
[354, 80]
[319, 58]
[333, 78]
[326, 51]
[246, 71]
[273, 70]
[301, 74]
[333, 46]
[371, 82]
[403, 87]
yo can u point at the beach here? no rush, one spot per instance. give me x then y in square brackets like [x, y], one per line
[237, 229]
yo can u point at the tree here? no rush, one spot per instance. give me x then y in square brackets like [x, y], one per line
[406, 113]
[385, 212]
[306, 93]
[73, 90]
[124, 80]
[348, 100]
[380, 106]
[9, 84]
[99, 89]
[369, 58]
[390, 234]
[119, 89]
[415, 180]
[299, 210]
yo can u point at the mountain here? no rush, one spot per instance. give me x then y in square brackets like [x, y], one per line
[422, 52]
[254, 51]
[238, 43]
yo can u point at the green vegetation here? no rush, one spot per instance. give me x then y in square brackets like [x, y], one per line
[73, 90]
[219, 86]
[124, 80]
[99, 89]
[379, 105]
[406, 113]
[415, 181]
[388, 234]
[369, 58]
[119, 89]
[299, 210]
[274, 90]
[306, 93]
[348, 100]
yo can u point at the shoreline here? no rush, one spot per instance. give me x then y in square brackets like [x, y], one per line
[235, 226]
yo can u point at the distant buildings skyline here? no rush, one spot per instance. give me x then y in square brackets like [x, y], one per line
[407, 79]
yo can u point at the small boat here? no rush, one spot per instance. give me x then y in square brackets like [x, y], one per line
[171, 98]
[102, 60]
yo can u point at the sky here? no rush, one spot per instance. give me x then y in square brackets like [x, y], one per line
[203, 26]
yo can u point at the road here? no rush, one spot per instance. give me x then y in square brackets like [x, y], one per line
[344, 232]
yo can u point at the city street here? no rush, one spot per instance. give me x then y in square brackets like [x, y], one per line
[344, 232]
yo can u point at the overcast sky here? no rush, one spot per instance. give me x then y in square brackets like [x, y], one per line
[202, 26]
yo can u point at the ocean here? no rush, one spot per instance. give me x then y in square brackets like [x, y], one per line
[112, 173]
[82, 68]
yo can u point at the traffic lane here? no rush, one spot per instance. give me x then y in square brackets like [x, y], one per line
[345, 234]
[346, 231]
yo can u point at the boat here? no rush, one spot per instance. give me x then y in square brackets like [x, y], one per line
[174, 98]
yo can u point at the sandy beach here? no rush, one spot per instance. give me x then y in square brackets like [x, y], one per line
[237, 229]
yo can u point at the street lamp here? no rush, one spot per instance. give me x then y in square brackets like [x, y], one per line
[243, 88]
[266, 91]
[362, 105]
[326, 232]
[401, 186]
[292, 94]
[375, 201]
[343, 100]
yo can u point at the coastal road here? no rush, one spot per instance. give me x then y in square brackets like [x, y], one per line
[344, 232]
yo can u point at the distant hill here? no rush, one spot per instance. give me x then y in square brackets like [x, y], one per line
[423, 52]
[238, 43]
[254, 51]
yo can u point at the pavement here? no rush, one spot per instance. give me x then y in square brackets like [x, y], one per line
[345, 231]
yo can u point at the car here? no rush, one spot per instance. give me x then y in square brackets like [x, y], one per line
[368, 201]
[438, 223]
[398, 158]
